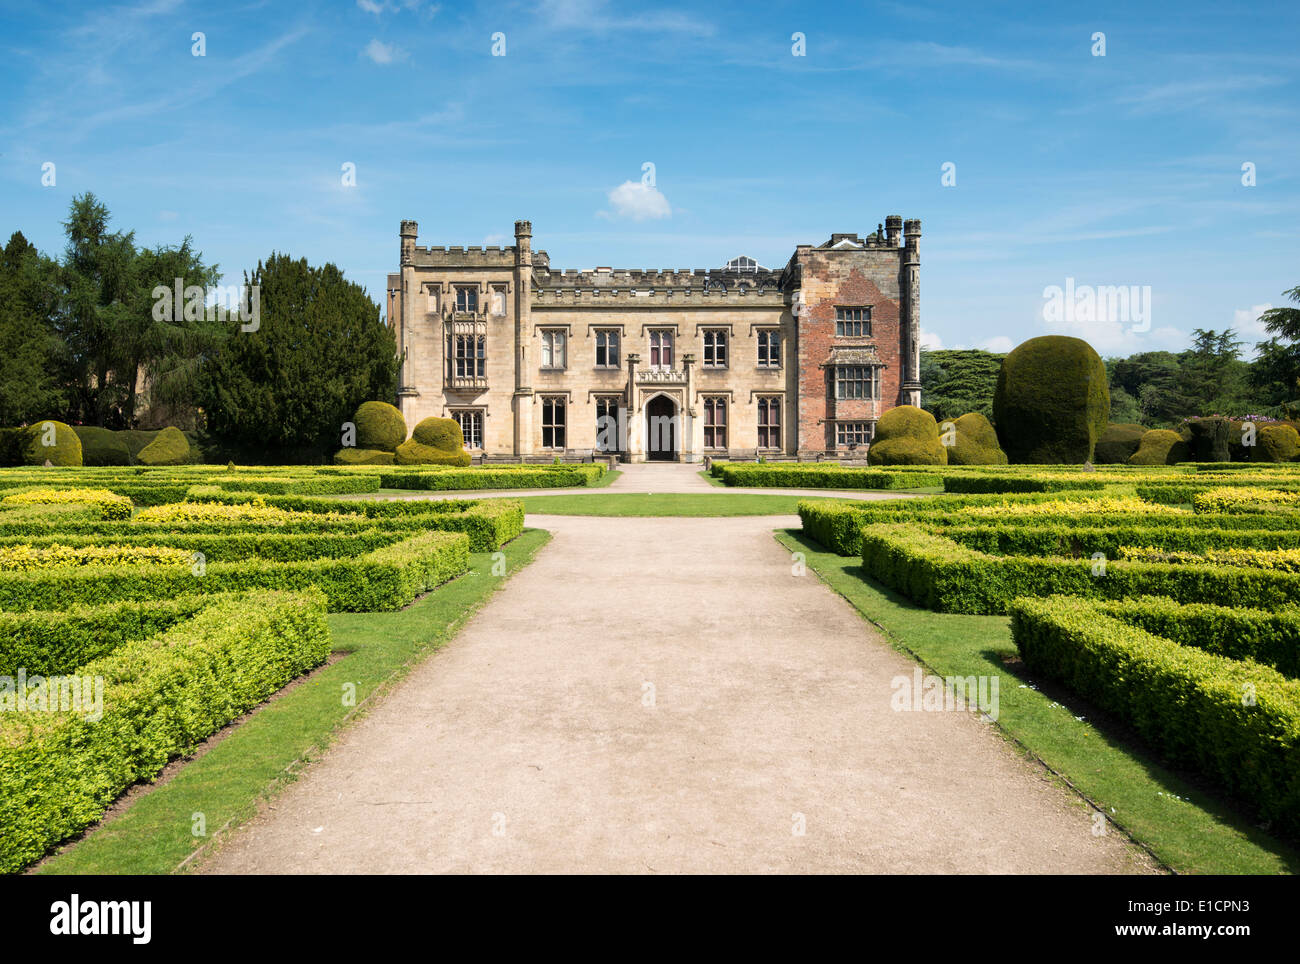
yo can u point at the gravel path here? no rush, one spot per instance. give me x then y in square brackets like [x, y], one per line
[663, 695]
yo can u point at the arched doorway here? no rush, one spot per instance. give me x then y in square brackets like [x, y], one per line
[662, 435]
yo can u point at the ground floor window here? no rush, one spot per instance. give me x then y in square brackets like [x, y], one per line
[852, 433]
[607, 428]
[715, 423]
[554, 422]
[769, 423]
[471, 426]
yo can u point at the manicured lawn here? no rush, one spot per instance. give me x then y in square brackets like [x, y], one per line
[663, 504]
[1188, 829]
[153, 836]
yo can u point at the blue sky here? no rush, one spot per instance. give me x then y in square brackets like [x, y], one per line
[1123, 169]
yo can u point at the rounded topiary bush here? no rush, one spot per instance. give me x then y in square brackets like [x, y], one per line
[907, 435]
[363, 457]
[443, 434]
[412, 452]
[171, 447]
[53, 442]
[102, 446]
[379, 426]
[1161, 446]
[1051, 403]
[1276, 443]
[1118, 442]
[974, 442]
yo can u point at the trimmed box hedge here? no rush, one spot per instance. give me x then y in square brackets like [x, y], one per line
[819, 476]
[973, 484]
[161, 696]
[1235, 721]
[384, 579]
[943, 575]
[490, 523]
[56, 643]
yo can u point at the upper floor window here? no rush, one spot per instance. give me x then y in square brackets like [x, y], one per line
[715, 349]
[467, 298]
[853, 321]
[769, 348]
[469, 356]
[553, 349]
[661, 348]
[607, 348]
[498, 300]
[857, 381]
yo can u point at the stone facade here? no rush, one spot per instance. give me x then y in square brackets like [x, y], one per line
[678, 364]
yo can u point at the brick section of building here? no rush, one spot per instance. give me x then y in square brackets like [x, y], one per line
[742, 360]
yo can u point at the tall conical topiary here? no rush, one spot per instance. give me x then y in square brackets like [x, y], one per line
[1052, 402]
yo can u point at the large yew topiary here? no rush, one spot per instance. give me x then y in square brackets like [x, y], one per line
[907, 435]
[171, 447]
[1118, 442]
[1052, 402]
[974, 442]
[379, 426]
[435, 441]
[53, 442]
[1276, 443]
[102, 446]
[1161, 446]
[1210, 438]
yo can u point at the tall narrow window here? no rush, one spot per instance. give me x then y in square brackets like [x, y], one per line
[467, 298]
[553, 345]
[769, 348]
[715, 423]
[715, 349]
[853, 321]
[607, 429]
[554, 422]
[769, 423]
[661, 349]
[471, 426]
[607, 348]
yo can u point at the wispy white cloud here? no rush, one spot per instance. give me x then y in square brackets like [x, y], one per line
[382, 53]
[637, 201]
[592, 15]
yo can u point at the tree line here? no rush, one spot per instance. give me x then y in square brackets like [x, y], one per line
[82, 341]
[1157, 389]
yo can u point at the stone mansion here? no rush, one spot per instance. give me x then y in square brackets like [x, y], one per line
[675, 364]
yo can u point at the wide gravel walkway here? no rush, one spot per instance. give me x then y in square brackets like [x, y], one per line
[663, 695]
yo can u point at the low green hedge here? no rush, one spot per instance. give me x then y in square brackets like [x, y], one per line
[490, 523]
[162, 695]
[232, 546]
[316, 485]
[56, 643]
[943, 575]
[819, 476]
[1271, 637]
[384, 579]
[1235, 721]
[1049, 539]
[973, 484]
[456, 479]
